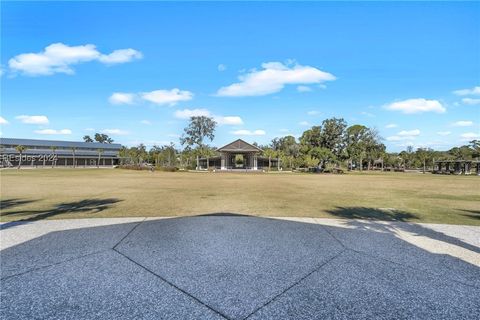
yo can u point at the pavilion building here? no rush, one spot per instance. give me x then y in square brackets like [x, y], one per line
[239, 155]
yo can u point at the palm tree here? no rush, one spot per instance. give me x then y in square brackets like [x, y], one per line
[73, 152]
[269, 153]
[207, 152]
[20, 150]
[54, 161]
[100, 151]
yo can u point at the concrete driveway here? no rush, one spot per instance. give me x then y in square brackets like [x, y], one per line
[236, 267]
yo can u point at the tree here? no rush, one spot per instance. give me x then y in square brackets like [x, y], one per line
[333, 135]
[311, 138]
[138, 154]
[207, 152]
[103, 138]
[164, 156]
[99, 151]
[123, 154]
[269, 152]
[357, 138]
[154, 153]
[199, 129]
[475, 145]
[309, 161]
[87, 139]
[74, 149]
[323, 155]
[424, 155]
[283, 143]
[20, 149]
[461, 153]
[54, 149]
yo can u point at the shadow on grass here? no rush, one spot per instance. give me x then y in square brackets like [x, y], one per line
[11, 203]
[87, 205]
[474, 214]
[363, 213]
[372, 213]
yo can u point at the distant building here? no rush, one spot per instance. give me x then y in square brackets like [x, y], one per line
[39, 153]
[239, 155]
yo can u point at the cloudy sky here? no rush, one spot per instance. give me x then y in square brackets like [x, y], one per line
[138, 71]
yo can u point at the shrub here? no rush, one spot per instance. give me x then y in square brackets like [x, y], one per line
[134, 167]
[167, 169]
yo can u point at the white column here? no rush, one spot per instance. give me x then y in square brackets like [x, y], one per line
[222, 161]
[255, 164]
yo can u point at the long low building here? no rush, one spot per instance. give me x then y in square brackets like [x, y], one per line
[41, 153]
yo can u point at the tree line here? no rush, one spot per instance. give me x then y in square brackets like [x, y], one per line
[331, 144]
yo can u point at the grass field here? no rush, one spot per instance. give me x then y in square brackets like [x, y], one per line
[66, 193]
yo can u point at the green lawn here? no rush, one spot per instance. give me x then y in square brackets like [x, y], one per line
[67, 193]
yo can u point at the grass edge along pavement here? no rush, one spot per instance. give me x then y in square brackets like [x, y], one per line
[31, 195]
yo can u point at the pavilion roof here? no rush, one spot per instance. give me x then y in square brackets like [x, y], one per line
[239, 146]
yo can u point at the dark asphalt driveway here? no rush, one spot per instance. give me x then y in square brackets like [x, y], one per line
[234, 267]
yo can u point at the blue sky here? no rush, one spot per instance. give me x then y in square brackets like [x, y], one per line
[262, 70]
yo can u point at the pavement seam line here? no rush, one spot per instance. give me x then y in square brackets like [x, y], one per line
[373, 256]
[334, 237]
[295, 283]
[128, 233]
[54, 264]
[172, 285]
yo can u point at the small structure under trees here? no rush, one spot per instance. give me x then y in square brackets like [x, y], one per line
[239, 155]
[456, 167]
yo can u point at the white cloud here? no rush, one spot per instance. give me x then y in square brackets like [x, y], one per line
[304, 89]
[33, 119]
[120, 56]
[444, 133]
[249, 133]
[467, 92]
[221, 67]
[170, 97]
[463, 123]
[3, 120]
[469, 136]
[117, 132]
[53, 131]
[59, 58]
[146, 122]
[405, 133]
[304, 123]
[89, 129]
[188, 113]
[391, 125]
[471, 101]
[419, 105]
[313, 112]
[221, 120]
[121, 98]
[400, 138]
[173, 135]
[272, 78]
[229, 120]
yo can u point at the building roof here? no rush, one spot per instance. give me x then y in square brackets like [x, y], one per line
[57, 143]
[239, 146]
